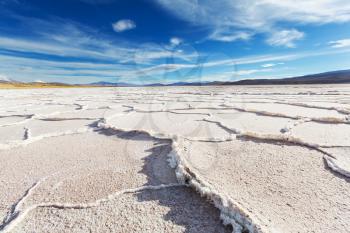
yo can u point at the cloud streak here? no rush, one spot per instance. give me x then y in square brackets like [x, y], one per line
[259, 16]
[285, 38]
[27, 68]
[227, 36]
[340, 43]
[65, 39]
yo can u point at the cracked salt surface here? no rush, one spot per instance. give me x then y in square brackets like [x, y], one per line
[100, 159]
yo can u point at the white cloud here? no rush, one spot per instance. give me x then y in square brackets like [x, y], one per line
[259, 16]
[258, 13]
[285, 38]
[227, 36]
[94, 48]
[123, 25]
[174, 41]
[269, 65]
[27, 68]
[340, 43]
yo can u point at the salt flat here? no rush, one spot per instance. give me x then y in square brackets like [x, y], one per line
[176, 159]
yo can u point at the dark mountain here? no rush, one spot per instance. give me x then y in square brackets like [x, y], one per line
[341, 76]
[333, 77]
[189, 84]
[110, 84]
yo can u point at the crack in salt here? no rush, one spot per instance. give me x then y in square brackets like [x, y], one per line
[17, 215]
[232, 213]
[15, 209]
[328, 157]
[329, 120]
[339, 110]
[28, 139]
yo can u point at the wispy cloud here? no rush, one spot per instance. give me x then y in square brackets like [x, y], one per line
[228, 36]
[285, 38]
[340, 43]
[28, 68]
[268, 65]
[260, 16]
[68, 39]
[123, 25]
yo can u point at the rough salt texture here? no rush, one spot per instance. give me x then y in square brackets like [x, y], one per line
[265, 159]
[168, 210]
[279, 184]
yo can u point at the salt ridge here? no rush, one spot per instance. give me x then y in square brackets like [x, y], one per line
[231, 212]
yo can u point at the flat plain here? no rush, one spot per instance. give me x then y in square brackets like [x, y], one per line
[175, 159]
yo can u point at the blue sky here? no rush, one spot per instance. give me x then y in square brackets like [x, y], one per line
[148, 41]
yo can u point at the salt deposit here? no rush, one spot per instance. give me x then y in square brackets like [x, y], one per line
[175, 159]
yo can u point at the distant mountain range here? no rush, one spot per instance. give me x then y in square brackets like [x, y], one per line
[340, 76]
[333, 77]
[4, 84]
[110, 84]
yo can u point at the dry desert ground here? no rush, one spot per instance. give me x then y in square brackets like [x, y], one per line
[176, 159]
